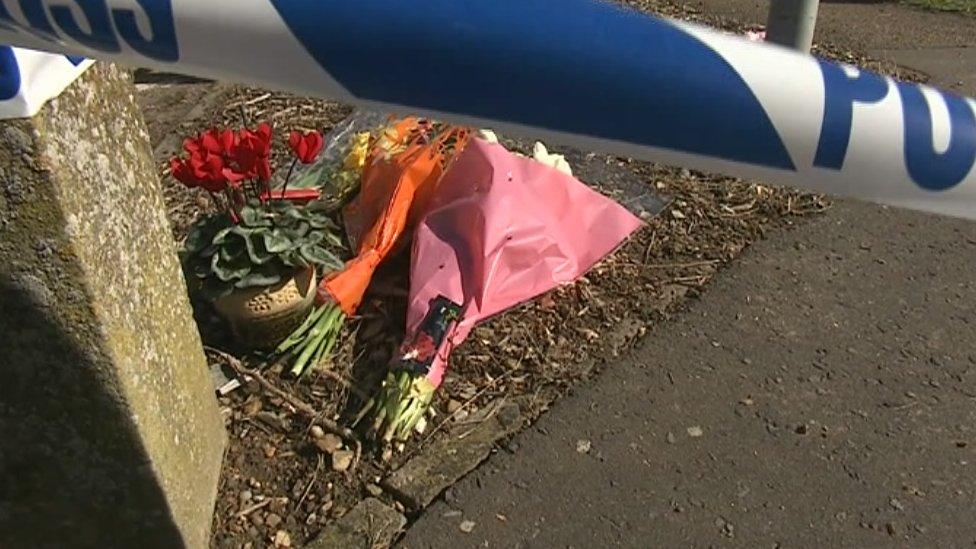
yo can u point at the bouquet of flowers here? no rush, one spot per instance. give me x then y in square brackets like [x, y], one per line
[500, 230]
[405, 162]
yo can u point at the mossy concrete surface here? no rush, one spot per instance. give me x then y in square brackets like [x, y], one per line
[109, 431]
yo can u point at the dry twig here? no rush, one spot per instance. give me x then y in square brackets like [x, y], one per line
[346, 434]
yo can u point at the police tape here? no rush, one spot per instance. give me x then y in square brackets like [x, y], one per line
[579, 72]
[28, 79]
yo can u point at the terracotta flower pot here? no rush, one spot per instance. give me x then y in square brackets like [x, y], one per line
[263, 317]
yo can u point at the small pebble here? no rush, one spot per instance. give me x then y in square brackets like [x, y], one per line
[467, 526]
[583, 446]
[281, 539]
[671, 438]
[272, 520]
[450, 496]
[329, 443]
[317, 432]
[695, 431]
[246, 496]
[374, 490]
[252, 407]
[341, 460]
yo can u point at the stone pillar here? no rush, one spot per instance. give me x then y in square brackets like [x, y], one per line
[110, 434]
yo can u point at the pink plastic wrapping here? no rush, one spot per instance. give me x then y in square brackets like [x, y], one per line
[501, 230]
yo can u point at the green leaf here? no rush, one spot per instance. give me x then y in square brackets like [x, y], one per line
[293, 212]
[209, 250]
[320, 222]
[197, 239]
[292, 234]
[277, 241]
[229, 271]
[203, 231]
[318, 255]
[200, 268]
[293, 258]
[234, 250]
[256, 250]
[221, 235]
[334, 239]
[314, 237]
[257, 279]
[254, 217]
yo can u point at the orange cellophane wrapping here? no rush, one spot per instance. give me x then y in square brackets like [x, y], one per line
[392, 196]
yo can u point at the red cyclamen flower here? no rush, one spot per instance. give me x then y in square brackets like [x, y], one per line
[252, 153]
[306, 146]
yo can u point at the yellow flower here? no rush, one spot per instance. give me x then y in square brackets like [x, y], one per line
[356, 159]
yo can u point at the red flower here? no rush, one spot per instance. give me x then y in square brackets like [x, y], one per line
[217, 158]
[424, 346]
[182, 172]
[252, 153]
[205, 166]
[306, 147]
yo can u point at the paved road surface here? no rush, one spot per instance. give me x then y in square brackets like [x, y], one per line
[821, 393]
[942, 45]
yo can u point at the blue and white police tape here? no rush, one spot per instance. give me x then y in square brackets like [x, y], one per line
[579, 72]
[29, 78]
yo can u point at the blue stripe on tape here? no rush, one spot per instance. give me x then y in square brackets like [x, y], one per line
[580, 66]
[933, 170]
[929, 169]
[9, 74]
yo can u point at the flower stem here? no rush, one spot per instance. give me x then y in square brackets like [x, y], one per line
[232, 206]
[287, 178]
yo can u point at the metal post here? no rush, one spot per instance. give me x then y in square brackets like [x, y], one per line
[791, 23]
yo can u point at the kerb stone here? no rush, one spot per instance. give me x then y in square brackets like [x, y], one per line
[109, 430]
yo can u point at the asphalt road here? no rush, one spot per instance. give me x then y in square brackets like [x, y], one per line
[821, 393]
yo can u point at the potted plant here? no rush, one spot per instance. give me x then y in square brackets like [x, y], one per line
[258, 257]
